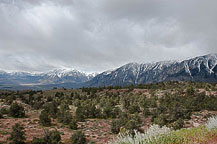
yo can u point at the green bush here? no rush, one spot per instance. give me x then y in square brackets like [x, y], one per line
[44, 119]
[64, 117]
[146, 112]
[73, 125]
[133, 109]
[17, 135]
[54, 137]
[4, 111]
[52, 109]
[80, 114]
[178, 124]
[115, 126]
[50, 137]
[160, 120]
[38, 141]
[78, 138]
[16, 110]
[131, 125]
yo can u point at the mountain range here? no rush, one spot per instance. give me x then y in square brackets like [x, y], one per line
[201, 69]
[26, 80]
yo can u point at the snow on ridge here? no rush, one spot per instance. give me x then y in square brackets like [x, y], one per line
[92, 74]
[107, 72]
[58, 73]
[135, 69]
[66, 72]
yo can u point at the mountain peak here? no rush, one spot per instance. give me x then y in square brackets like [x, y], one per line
[63, 72]
[202, 69]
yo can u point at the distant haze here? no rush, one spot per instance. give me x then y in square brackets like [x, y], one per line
[97, 35]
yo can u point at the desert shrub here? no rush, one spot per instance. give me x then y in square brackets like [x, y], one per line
[87, 110]
[1, 116]
[4, 111]
[126, 102]
[73, 125]
[115, 126]
[174, 107]
[210, 103]
[146, 112]
[178, 124]
[152, 103]
[160, 120]
[53, 137]
[79, 114]
[50, 137]
[44, 119]
[64, 117]
[59, 95]
[9, 99]
[107, 111]
[38, 141]
[17, 135]
[76, 96]
[149, 136]
[134, 108]
[211, 123]
[129, 122]
[91, 111]
[116, 112]
[64, 106]
[37, 104]
[78, 138]
[52, 109]
[131, 126]
[16, 110]
[49, 99]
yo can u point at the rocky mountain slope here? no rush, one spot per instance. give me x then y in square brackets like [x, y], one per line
[202, 69]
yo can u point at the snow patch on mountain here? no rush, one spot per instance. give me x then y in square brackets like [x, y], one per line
[202, 68]
[55, 76]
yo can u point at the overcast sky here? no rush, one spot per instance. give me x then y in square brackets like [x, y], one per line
[98, 35]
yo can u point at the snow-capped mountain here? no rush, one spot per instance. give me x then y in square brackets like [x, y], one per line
[202, 69]
[64, 76]
[56, 76]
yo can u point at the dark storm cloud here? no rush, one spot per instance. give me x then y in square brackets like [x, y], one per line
[96, 35]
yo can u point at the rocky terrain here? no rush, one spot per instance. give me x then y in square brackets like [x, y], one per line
[101, 113]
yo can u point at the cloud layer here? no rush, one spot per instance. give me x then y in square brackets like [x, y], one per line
[97, 35]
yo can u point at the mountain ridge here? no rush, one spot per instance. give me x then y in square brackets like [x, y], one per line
[56, 76]
[201, 69]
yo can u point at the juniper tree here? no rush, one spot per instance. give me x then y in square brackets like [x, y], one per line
[16, 110]
[17, 135]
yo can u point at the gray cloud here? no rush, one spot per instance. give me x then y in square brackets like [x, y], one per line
[39, 35]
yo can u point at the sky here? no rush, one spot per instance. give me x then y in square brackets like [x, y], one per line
[99, 35]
